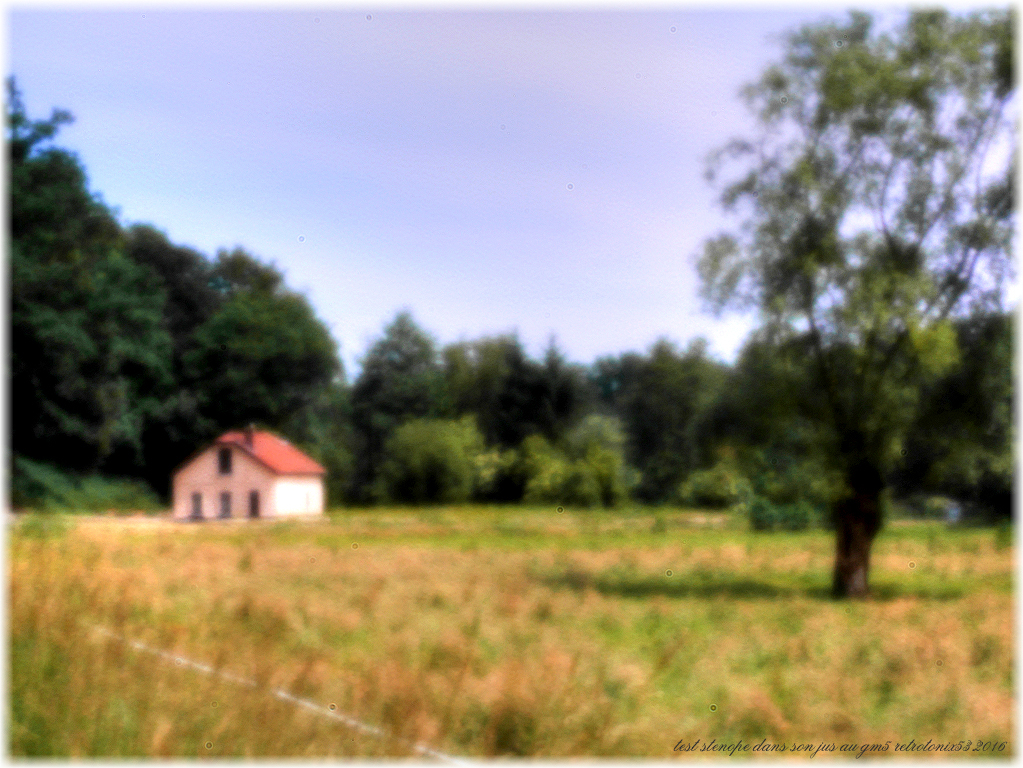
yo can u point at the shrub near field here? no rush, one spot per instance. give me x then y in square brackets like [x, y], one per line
[488, 632]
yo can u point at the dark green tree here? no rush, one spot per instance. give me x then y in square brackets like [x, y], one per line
[262, 357]
[90, 360]
[521, 406]
[430, 461]
[961, 444]
[175, 429]
[237, 271]
[512, 395]
[611, 377]
[184, 275]
[401, 379]
[477, 375]
[662, 399]
[766, 424]
[568, 394]
[877, 207]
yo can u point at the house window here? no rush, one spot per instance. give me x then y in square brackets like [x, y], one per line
[225, 461]
[225, 504]
[253, 503]
[196, 506]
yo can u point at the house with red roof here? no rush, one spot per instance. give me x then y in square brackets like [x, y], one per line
[248, 473]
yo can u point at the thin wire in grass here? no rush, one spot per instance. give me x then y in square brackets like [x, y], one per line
[283, 695]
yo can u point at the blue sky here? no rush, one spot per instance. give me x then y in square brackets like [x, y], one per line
[536, 171]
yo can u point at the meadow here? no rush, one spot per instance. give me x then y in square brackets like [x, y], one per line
[488, 632]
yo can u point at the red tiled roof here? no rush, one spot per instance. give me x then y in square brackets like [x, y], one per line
[275, 452]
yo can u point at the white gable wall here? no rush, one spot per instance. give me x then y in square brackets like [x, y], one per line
[202, 475]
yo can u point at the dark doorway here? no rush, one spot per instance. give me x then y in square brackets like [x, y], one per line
[253, 503]
[197, 506]
[225, 504]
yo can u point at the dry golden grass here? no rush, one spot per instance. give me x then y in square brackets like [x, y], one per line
[487, 633]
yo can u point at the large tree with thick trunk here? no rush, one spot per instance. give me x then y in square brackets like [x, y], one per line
[876, 199]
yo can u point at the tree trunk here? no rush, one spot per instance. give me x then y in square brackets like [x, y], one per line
[857, 521]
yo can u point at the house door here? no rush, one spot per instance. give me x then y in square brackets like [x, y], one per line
[253, 503]
[225, 504]
[197, 506]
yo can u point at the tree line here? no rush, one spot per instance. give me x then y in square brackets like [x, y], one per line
[129, 352]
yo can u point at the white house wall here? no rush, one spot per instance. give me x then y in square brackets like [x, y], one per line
[298, 496]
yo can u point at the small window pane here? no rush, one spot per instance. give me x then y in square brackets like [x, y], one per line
[225, 461]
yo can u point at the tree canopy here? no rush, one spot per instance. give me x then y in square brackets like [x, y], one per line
[876, 205]
[89, 357]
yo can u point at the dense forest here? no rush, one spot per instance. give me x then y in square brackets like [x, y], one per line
[129, 352]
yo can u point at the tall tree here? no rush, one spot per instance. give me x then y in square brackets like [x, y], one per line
[184, 275]
[613, 376]
[491, 377]
[662, 398]
[260, 358]
[401, 379]
[237, 270]
[176, 428]
[512, 395]
[877, 205]
[89, 358]
[567, 393]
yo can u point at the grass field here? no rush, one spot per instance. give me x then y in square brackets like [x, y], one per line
[489, 632]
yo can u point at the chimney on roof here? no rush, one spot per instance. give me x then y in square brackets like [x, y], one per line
[250, 431]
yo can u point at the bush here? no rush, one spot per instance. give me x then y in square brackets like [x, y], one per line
[597, 447]
[785, 478]
[546, 470]
[595, 431]
[38, 486]
[796, 517]
[500, 476]
[35, 485]
[582, 486]
[430, 461]
[719, 487]
[765, 515]
[798, 490]
[590, 472]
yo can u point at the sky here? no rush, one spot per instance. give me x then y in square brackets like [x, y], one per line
[538, 172]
